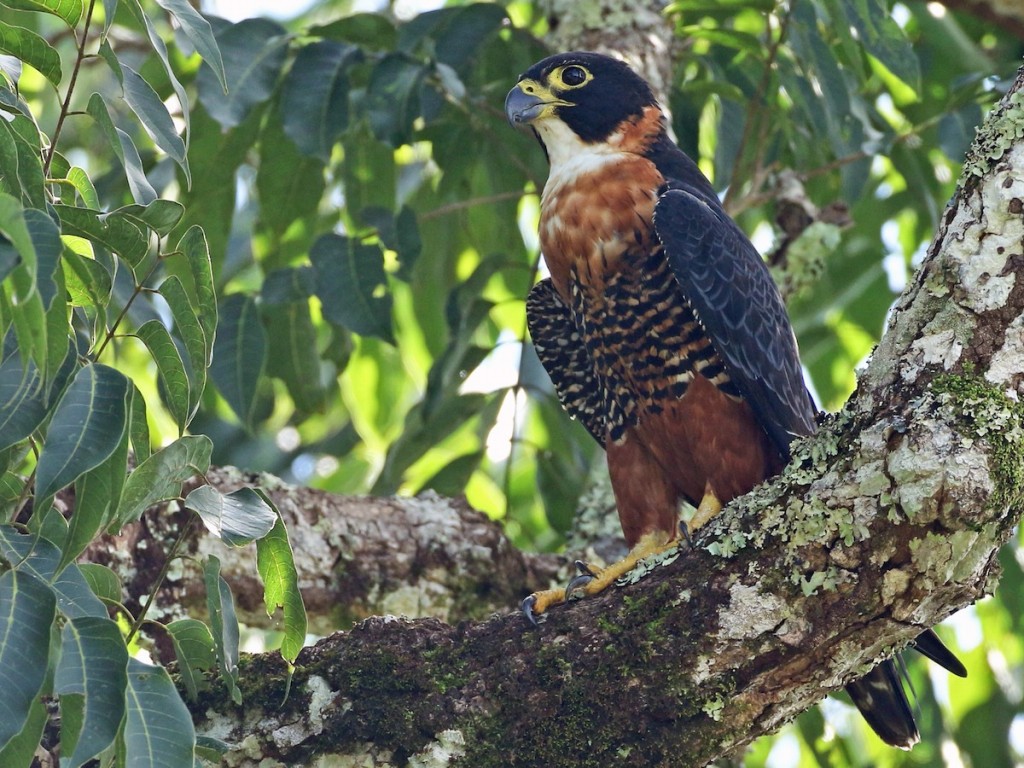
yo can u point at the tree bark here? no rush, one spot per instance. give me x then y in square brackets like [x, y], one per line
[886, 521]
[355, 557]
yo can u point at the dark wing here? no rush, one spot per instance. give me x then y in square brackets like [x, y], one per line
[734, 298]
[564, 356]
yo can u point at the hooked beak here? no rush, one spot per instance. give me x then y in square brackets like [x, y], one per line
[523, 108]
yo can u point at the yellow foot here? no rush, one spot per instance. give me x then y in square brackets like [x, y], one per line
[592, 580]
[534, 605]
[708, 509]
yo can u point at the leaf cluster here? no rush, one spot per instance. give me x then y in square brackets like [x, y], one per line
[107, 306]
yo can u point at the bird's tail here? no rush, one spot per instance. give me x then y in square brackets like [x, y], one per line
[882, 700]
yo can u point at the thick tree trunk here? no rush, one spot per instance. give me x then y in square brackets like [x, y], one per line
[886, 521]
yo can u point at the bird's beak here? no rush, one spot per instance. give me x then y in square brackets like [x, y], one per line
[522, 108]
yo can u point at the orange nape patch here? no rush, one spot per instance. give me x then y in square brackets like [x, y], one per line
[589, 223]
[638, 133]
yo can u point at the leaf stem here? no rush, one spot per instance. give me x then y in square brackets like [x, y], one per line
[65, 107]
[140, 287]
[141, 618]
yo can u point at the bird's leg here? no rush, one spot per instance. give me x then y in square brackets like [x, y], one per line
[592, 580]
[708, 509]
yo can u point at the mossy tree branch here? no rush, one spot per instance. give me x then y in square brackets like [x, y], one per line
[888, 520]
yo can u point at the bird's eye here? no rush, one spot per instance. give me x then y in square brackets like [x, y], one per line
[574, 75]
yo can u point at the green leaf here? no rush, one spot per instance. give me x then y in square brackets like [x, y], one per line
[237, 518]
[159, 478]
[20, 751]
[239, 355]
[123, 147]
[97, 495]
[253, 53]
[195, 652]
[730, 38]
[48, 247]
[289, 183]
[882, 37]
[276, 566]
[161, 216]
[20, 156]
[88, 283]
[171, 369]
[156, 41]
[198, 30]
[70, 11]
[372, 31]
[155, 118]
[224, 625]
[84, 186]
[92, 664]
[40, 557]
[292, 337]
[138, 427]
[87, 425]
[21, 287]
[314, 101]
[104, 583]
[193, 245]
[28, 317]
[23, 405]
[186, 321]
[408, 243]
[158, 731]
[352, 286]
[27, 609]
[116, 233]
[392, 98]
[468, 28]
[31, 49]
[451, 479]
[423, 430]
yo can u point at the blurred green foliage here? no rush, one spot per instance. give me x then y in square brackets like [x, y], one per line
[357, 222]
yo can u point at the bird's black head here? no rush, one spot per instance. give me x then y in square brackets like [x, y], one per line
[590, 93]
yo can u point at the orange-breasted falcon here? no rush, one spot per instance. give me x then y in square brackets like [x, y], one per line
[661, 328]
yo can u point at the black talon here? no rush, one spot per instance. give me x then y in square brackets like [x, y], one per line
[527, 608]
[684, 529]
[577, 583]
[584, 569]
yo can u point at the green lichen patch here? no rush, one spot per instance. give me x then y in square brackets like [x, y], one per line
[806, 257]
[1002, 128]
[944, 558]
[812, 582]
[984, 412]
[648, 564]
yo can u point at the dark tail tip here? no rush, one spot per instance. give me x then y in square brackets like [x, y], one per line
[929, 645]
[880, 697]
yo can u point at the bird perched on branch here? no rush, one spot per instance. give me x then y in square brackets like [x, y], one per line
[661, 329]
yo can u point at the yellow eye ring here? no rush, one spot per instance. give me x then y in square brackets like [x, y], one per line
[573, 76]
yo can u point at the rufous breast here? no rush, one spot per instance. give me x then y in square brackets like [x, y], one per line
[593, 211]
